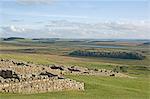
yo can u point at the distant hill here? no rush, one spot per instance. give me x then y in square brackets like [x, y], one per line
[45, 39]
[146, 43]
[13, 38]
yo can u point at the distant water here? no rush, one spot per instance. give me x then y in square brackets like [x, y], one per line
[101, 46]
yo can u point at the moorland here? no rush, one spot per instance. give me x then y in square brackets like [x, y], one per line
[130, 57]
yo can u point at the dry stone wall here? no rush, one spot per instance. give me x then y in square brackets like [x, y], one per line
[41, 86]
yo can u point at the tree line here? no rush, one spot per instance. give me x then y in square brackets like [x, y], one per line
[109, 54]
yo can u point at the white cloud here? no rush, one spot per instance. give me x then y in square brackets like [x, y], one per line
[16, 29]
[69, 29]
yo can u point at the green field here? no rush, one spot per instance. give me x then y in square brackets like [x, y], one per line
[95, 87]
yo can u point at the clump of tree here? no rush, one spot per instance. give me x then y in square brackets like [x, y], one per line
[109, 54]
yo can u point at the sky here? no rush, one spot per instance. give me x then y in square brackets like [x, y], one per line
[100, 19]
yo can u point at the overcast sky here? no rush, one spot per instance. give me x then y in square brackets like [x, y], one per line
[109, 19]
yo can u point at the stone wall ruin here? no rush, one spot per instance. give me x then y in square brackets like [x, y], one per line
[20, 77]
[41, 86]
[27, 78]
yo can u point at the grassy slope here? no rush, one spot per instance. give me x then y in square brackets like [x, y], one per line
[56, 59]
[84, 62]
[97, 88]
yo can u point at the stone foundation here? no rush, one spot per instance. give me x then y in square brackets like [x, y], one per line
[41, 86]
